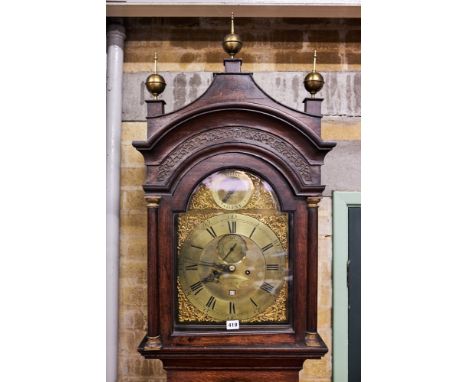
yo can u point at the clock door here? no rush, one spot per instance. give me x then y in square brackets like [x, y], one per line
[232, 259]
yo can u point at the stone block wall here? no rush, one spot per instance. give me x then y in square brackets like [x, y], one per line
[133, 252]
[341, 93]
[279, 53]
[269, 44]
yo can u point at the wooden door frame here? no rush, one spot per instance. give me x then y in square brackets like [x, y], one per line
[341, 202]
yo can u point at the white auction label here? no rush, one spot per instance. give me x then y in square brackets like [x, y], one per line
[232, 325]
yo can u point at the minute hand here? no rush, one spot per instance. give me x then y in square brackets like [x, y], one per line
[212, 277]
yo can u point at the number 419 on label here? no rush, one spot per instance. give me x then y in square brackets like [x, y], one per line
[232, 325]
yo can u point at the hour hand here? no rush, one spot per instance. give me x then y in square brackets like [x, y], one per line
[223, 267]
[214, 276]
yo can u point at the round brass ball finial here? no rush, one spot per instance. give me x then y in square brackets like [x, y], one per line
[313, 82]
[155, 83]
[232, 42]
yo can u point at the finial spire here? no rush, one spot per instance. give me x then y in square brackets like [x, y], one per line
[155, 62]
[232, 22]
[315, 59]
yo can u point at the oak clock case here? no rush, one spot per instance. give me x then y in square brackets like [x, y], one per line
[233, 260]
[232, 189]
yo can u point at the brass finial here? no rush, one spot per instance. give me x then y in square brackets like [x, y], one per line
[232, 42]
[313, 82]
[155, 83]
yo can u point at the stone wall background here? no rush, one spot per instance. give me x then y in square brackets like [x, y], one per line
[269, 44]
[341, 92]
[279, 53]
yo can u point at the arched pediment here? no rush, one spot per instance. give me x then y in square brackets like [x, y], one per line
[234, 116]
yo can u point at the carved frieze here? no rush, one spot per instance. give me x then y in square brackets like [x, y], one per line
[246, 135]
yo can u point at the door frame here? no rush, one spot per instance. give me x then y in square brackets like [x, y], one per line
[341, 202]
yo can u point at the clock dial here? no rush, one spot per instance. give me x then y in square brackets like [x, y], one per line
[231, 189]
[232, 266]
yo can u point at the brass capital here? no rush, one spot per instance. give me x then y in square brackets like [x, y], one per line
[152, 201]
[311, 339]
[153, 343]
[313, 201]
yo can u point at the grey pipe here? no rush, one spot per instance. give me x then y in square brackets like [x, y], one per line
[115, 43]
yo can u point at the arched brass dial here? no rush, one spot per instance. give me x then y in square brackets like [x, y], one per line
[232, 266]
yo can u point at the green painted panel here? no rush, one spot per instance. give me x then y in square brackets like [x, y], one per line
[341, 202]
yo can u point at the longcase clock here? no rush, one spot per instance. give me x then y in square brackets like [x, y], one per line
[232, 189]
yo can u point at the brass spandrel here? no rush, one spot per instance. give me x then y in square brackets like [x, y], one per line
[203, 200]
[277, 312]
[187, 312]
[277, 222]
[186, 222]
[262, 198]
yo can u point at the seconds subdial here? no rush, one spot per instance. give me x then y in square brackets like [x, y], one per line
[232, 248]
